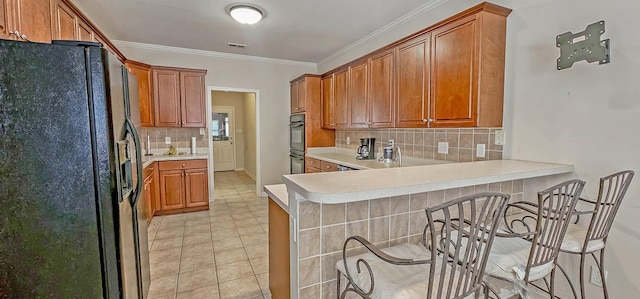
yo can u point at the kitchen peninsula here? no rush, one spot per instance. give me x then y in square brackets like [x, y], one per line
[318, 211]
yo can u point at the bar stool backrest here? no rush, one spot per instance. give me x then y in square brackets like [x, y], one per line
[610, 195]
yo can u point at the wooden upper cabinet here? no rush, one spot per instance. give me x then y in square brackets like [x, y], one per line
[4, 20]
[357, 95]
[179, 98]
[192, 99]
[381, 96]
[412, 104]
[166, 95]
[145, 82]
[340, 99]
[293, 94]
[454, 72]
[85, 33]
[64, 21]
[328, 103]
[26, 20]
[197, 193]
[302, 96]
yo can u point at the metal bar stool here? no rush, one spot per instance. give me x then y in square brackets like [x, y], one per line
[583, 240]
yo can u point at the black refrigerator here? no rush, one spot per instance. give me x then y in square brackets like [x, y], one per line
[71, 216]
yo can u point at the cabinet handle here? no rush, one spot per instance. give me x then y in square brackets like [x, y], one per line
[424, 120]
[183, 165]
[430, 120]
[16, 33]
[24, 37]
[328, 167]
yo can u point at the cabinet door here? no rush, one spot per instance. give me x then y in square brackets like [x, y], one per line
[192, 99]
[293, 93]
[328, 104]
[64, 22]
[340, 99]
[454, 92]
[413, 78]
[197, 191]
[143, 74]
[172, 189]
[357, 96]
[5, 20]
[166, 93]
[85, 33]
[302, 96]
[148, 197]
[381, 90]
[33, 19]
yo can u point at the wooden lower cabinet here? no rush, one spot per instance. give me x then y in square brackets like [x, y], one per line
[314, 165]
[279, 271]
[150, 187]
[184, 186]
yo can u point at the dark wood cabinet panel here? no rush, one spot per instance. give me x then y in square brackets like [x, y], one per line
[381, 95]
[192, 99]
[172, 189]
[196, 181]
[340, 99]
[328, 103]
[454, 68]
[412, 72]
[143, 74]
[357, 95]
[166, 95]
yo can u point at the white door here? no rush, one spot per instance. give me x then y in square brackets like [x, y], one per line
[222, 131]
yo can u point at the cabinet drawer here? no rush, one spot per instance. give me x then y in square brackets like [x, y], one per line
[311, 162]
[182, 164]
[148, 171]
[328, 166]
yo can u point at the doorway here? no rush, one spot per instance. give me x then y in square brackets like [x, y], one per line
[232, 121]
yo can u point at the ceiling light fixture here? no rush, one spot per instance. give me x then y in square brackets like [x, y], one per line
[246, 14]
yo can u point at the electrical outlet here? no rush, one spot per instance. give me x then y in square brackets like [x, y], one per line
[443, 147]
[201, 131]
[595, 276]
[167, 140]
[348, 140]
[392, 143]
[499, 137]
[480, 150]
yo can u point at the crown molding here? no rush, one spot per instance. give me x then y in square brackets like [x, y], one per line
[404, 19]
[212, 54]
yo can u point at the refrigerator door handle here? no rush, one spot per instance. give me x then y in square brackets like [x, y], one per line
[130, 128]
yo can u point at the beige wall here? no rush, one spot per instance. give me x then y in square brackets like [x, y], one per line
[586, 115]
[235, 100]
[270, 77]
[250, 133]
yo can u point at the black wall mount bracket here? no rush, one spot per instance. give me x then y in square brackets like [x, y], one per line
[585, 45]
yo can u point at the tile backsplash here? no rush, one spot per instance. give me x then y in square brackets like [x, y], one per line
[180, 137]
[423, 143]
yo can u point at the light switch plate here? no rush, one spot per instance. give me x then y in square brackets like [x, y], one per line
[348, 140]
[167, 140]
[499, 137]
[392, 143]
[443, 147]
[201, 131]
[480, 150]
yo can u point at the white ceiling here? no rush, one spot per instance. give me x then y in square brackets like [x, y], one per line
[300, 30]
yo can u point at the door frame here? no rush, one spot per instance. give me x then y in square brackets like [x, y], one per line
[259, 191]
[232, 133]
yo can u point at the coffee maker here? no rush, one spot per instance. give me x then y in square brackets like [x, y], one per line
[367, 149]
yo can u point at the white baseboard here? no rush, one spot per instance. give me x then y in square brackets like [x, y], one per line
[238, 169]
[250, 174]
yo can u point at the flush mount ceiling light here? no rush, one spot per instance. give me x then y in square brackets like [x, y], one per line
[245, 14]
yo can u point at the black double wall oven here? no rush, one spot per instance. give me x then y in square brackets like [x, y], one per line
[296, 143]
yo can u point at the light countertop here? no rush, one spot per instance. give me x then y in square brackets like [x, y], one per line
[349, 186]
[202, 153]
[279, 194]
[347, 157]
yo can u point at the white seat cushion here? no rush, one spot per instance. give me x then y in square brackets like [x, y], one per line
[508, 259]
[393, 281]
[574, 240]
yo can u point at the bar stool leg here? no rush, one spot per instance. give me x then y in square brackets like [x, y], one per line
[602, 277]
[582, 258]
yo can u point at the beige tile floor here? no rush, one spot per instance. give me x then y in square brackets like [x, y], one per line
[220, 253]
